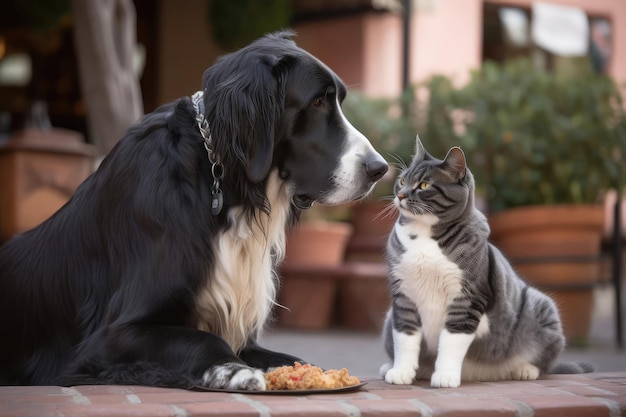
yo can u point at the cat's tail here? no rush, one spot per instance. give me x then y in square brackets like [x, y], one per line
[572, 368]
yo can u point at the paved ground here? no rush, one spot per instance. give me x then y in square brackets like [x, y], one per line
[595, 394]
[588, 395]
[362, 352]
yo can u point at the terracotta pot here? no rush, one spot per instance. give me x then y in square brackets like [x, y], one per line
[364, 296]
[557, 249]
[39, 172]
[308, 289]
[317, 243]
[371, 230]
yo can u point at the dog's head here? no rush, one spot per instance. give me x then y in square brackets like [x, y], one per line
[273, 105]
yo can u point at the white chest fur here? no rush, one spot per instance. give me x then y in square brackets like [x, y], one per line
[240, 291]
[428, 277]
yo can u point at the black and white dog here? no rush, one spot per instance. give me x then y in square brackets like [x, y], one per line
[160, 269]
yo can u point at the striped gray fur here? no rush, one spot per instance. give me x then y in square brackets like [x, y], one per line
[444, 272]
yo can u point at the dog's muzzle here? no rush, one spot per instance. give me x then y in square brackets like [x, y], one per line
[375, 167]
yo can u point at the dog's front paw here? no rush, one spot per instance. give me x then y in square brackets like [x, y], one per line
[235, 376]
[400, 376]
[445, 379]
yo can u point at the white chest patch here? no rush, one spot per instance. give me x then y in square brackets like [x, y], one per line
[240, 290]
[429, 278]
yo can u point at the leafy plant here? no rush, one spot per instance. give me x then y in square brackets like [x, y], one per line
[40, 15]
[532, 137]
[236, 23]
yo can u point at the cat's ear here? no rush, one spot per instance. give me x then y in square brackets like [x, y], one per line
[455, 164]
[420, 152]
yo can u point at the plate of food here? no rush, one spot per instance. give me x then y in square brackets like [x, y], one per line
[301, 379]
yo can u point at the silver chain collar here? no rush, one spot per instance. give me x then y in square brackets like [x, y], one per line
[217, 169]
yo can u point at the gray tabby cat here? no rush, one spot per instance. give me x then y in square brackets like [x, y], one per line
[459, 311]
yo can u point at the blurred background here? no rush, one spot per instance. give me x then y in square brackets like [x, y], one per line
[532, 92]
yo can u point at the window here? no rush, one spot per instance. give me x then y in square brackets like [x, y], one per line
[508, 33]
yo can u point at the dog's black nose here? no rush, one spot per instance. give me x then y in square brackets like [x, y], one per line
[375, 167]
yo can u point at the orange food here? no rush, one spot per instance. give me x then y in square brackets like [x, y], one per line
[307, 376]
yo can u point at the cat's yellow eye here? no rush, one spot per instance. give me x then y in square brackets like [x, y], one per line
[423, 186]
[402, 181]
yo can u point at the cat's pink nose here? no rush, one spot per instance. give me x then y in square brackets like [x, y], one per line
[401, 196]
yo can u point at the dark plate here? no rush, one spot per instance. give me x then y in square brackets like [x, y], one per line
[282, 392]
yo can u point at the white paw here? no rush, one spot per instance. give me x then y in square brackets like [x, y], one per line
[526, 372]
[235, 376]
[445, 379]
[400, 376]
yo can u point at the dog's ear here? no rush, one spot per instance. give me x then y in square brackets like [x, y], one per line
[244, 100]
[268, 98]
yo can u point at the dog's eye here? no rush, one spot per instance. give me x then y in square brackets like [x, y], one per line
[318, 102]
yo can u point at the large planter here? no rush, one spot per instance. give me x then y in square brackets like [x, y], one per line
[372, 226]
[364, 289]
[39, 172]
[308, 287]
[556, 249]
[363, 296]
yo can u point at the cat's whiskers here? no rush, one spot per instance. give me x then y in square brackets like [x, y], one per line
[400, 163]
[419, 208]
[389, 210]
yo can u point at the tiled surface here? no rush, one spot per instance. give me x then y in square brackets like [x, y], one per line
[588, 395]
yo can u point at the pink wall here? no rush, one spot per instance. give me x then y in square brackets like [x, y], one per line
[338, 43]
[446, 39]
[383, 51]
[362, 49]
[365, 50]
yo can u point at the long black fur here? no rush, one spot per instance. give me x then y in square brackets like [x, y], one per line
[103, 291]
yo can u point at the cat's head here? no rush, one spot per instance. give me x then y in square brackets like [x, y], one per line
[429, 186]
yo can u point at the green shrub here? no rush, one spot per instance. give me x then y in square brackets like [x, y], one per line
[532, 137]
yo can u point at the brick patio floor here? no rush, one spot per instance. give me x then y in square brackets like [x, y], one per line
[587, 395]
